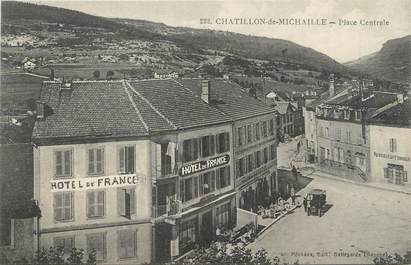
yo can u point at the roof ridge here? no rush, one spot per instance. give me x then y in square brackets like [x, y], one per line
[151, 105]
[135, 107]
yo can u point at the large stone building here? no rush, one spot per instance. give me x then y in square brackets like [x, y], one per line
[143, 170]
[390, 144]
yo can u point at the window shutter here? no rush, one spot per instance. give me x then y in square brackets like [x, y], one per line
[127, 202]
[121, 157]
[132, 193]
[91, 204]
[91, 161]
[58, 207]
[405, 176]
[59, 170]
[227, 142]
[68, 204]
[219, 145]
[201, 184]
[67, 163]
[100, 203]
[130, 160]
[196, 148]
[100, 156]
[227, 175]
[120, 202]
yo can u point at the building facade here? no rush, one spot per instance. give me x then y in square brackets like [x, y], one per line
[145, 170]
[390, 147]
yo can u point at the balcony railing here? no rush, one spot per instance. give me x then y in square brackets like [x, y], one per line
[166, 210]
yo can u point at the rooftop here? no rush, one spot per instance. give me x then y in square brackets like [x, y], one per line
[106, 109]
[396, 114]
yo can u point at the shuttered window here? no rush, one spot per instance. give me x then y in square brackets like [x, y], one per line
[264, 128]
[95, 203]
[393, 145]
[63, 163]
[265, 154]
[126, 158]
[63, 206]
[127, 244]
[249, 134]
[271, 128]
[97, 242]
[126, 201]
[96, 161]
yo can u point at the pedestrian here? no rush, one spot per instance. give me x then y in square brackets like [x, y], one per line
[292, 192]
[295, 173]
[305, 203]
[308, 206]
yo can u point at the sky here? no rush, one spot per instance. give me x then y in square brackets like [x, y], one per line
[343, 43]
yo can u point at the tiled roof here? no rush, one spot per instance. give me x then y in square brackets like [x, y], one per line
[88, 109]
[229, 98]
[91, 109]
[181, 107]
[397, 114]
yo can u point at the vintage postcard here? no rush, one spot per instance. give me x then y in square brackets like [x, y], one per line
[205, 132]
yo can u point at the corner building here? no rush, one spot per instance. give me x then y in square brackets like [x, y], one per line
[139, 171]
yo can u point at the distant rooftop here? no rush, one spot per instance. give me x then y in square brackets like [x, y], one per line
[398, 114]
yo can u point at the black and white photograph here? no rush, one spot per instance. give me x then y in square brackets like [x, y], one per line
[182, 132]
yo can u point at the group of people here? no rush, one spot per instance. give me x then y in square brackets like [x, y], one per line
[222, 233]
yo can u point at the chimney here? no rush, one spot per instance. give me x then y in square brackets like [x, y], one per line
[331, 88]
[205, 91]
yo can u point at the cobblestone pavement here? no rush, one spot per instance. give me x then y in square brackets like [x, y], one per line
[362, 222]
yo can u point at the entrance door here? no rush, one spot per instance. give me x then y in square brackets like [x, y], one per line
[207, 232]
[162, 243]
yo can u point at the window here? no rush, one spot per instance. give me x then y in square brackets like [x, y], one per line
[396, 174]
[265, 155]
[188, 189]
[187, 234]
[127, 244]
[393, 145]
[327, 133]
[249, 134]
[66, 244]
[223, 142]
[250, 162]
[208, 182]
[264, 128]
[346, 114]
[321, 131]
[167, 157]
[222, 217]
[126, 157]
[257, 131]
[223, 176]
[98, 243]
[338, 134]
[95, 204]
[190, 149]
[207, 145]
[240, 136]
[257, 156]
[348, 137]
[64, 163]
[63, 206]
[240, 167]
[96, 161]
[271, 127]
[126, 201]
[273, 152]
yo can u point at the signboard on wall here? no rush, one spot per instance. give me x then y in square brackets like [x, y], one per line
[204, 165]
[88, 183]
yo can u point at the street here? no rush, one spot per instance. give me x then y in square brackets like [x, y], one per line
[362, 222]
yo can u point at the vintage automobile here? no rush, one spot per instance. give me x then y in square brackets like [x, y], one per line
[316, 200]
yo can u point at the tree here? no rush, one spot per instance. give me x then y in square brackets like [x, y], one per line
[96, 74]
[219, 253]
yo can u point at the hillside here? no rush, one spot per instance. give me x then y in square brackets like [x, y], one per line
[243, 45]
[392, 62]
